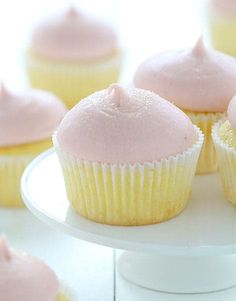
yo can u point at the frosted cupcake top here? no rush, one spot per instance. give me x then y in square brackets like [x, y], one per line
[194, 79]
[232, 113]
[28, 117]
[120, 125]
[227, 7]
[73, 36]
[23, 277]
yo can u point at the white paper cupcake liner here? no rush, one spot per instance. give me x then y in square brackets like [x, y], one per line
[11, 170]
[226, 156]
[207, 162]
[125, 194]
[72, 81]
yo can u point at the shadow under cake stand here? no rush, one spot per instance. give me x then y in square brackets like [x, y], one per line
[192, 253]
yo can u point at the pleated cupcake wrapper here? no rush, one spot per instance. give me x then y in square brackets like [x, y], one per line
[73, 81]
[11, 169]
[207, 162]
[125, 194]
[226, 156]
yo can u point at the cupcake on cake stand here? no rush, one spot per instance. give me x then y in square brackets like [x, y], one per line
[192, 253]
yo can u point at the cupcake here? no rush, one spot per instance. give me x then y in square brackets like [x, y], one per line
[27, 122]
[26, 278]
[222, 25]
[73, 55]
[199, 81]
[128, 157]
[224, 136]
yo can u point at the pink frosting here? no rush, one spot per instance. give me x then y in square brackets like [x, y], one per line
[73, 36]
[125, 126]
[29, 117]
[224, 6]
[232, 112]
[23, 277]
[194, 79]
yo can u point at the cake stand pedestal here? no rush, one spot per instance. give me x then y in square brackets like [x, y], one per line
[192, 253]
[177, 274]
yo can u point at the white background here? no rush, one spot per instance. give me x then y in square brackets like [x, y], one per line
[144, 27]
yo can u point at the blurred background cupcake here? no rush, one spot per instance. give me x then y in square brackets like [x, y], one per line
[224, 136]
[24, 277]
[128, 157]
[199, 81]
[73, 54]
[27, 122]
[222, 25]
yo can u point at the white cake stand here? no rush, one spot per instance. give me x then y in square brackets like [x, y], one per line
[192, 253]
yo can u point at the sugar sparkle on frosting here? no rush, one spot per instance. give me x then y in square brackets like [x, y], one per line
[196, 79]
[120, 125]
[28, 117]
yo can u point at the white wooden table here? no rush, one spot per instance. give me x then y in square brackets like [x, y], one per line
[86, 268]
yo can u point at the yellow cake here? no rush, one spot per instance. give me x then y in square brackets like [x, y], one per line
[27, 121]
[207, 162]
[227, 134]
[73, 55]
[224, 136]
[63, 297]
[13, 161]
[128, 157]
[72, 81]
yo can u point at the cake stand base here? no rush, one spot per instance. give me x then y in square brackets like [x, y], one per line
[177, 274]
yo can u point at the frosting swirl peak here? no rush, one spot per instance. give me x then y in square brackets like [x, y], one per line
[117, 94]
[196, 79]
[4, 249]
[124, 125]
[199, 48]
[23, 277]
[73, 36]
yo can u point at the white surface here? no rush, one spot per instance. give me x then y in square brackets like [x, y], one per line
[179, 274]
[86, 269]
[206, 227]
